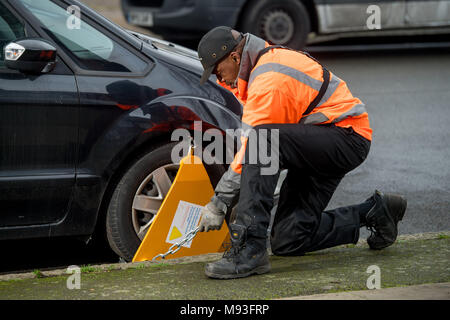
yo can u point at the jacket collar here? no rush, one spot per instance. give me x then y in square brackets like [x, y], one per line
[253, 46]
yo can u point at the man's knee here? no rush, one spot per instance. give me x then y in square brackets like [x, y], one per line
[281, 248]
[288, 243]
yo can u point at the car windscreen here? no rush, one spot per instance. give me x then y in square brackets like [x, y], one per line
[90, 48]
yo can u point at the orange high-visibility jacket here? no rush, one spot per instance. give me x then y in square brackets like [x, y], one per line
[279, 89]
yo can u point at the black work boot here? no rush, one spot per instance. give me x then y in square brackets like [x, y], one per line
[383, 218]
[245, 257]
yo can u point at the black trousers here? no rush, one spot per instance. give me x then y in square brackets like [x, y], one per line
[317, 158]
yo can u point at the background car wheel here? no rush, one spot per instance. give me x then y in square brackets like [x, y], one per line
[138, 196]
[284, 22]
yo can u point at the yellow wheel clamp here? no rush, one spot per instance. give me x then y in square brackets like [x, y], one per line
[179, 215]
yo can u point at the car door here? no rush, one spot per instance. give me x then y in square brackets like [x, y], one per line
[428, 13]
[112, 79]
[358, 15]
[38, 135]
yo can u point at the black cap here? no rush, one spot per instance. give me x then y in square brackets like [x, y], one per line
[214, 46]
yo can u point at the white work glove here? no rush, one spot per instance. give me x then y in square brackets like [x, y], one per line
[212, 218]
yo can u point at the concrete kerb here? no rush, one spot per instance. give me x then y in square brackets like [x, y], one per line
[110, 267]
[184, 260]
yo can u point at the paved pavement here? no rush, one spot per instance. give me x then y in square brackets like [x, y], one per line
[434, 291]
[413, 260]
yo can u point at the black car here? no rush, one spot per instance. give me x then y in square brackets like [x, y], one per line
[86, 115]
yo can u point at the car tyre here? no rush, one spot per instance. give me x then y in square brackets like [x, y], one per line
[284, 22]
[126, 225]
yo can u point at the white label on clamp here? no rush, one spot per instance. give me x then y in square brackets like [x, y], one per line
[186, 219]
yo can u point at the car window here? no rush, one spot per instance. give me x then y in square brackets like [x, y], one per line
[10, 29]
[88, 47]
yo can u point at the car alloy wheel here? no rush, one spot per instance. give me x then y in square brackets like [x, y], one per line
[149, 197]
[284, 22]
[277, 26]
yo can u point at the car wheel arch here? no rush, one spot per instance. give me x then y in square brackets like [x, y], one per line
[149, 137]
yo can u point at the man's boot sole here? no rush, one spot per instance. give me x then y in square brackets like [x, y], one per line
[258, 270]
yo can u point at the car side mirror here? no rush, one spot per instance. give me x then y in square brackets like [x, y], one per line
[30, 55]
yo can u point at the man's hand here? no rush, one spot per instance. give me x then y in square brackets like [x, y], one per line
[212, 218]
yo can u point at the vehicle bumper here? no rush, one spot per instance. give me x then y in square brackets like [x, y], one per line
[196, 16]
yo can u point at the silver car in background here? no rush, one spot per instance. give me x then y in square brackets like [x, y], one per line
[290, 22]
